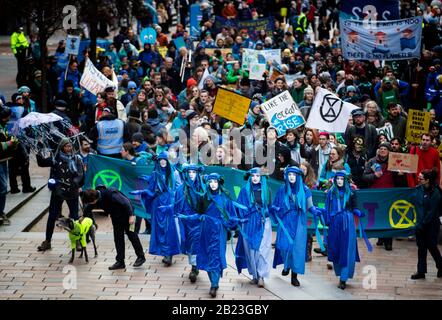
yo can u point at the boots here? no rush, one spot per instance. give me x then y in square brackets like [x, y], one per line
[167, 261]
[342, 285]
[212, 292]
[309, 249]
[193, 274]
[295, 281]
[45, 245]
[417, 276]
[285, 272]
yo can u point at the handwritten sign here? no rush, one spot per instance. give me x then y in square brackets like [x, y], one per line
[72, 45]
[403, 162]
[387, 130]
[231, 105]
[418, 122]
[283, 113]
[251, 56]
[93, 80]
[256, 71]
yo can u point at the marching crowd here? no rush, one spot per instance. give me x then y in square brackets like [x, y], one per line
[162, 113]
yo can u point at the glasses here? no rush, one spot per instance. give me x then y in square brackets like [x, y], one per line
[158, 95]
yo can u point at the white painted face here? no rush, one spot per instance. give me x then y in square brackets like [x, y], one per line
[192, 175]
[163, 163]
[292, 177]
[213, 184]
[256, 178]
[340, 181]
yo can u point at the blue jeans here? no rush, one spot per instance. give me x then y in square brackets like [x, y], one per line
[55, 211]
[3, 185]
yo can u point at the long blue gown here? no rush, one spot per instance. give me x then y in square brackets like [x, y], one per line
[342, 242]
[166, 234]
[254, 250]
[211, 253]
[294, 219]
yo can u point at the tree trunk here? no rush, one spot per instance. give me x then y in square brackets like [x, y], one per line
[44, 83]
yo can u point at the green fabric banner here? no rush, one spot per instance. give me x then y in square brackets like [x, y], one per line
[388, 212]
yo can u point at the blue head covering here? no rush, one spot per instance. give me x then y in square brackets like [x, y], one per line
[198, 185]
[265, 196]
[170, 177]
[298, 190]
[347, 189]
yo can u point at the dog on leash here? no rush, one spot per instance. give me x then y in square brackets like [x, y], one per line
[78, 232]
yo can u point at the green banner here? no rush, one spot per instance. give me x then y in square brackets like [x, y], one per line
[388, 212]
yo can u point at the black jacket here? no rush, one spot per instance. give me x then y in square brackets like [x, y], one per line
[370, 139]
[115, 204]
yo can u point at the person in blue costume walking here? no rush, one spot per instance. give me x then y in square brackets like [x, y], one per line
[158, 199]
[254, 246]
[219, 217]
[189, 201]
[289, 208]
[339, 212]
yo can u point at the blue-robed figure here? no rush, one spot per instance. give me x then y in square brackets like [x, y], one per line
[254, 246]
[218, 218]
[190, 201]
[340, 209]
[158, 200]
[289, 208]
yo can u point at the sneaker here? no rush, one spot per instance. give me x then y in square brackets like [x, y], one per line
[45, 245]
[29, 190]
[117, 265]
[261, 282]
[318, 250]
[139, 262]
[418, 275]
[254, 281]
[15, 190]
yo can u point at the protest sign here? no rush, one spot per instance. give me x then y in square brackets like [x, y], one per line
[418, 122]
[148, 35]
[73, 45]
[195, 18]
[394, 216]
[231, 105]
[93, 80]
[381, 40]
[179, 43]
[283, 113]
[329, 113]
[387, 130]
[251, 56]
[256, 71]
[253, 27]
[403, 162]
[371, 10]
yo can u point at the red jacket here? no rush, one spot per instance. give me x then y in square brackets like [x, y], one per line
[428, 159]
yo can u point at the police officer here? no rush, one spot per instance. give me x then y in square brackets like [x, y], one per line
[118, 206]
[19, 47]
[109, 134]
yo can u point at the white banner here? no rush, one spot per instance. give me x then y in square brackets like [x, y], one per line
[251, 56]
[93, 80]
[329, 113]
[283, 113]
[387, 130]
[256, 71]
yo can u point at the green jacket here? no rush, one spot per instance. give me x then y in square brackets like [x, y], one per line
[18, 40]
[232, 76]
[80, 231]
[298, 94]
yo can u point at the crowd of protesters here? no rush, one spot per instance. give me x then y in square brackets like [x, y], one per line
[165, 103]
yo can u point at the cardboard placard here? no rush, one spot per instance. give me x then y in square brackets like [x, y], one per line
[283, 113]
[224, 52]
[418, 122]
[231, 105]
[72, 45]
[403, 162]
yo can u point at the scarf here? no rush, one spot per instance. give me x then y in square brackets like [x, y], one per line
[70, 160]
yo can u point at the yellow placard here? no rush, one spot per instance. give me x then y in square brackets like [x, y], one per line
[283, 12]
[418, 122]
[231, 105]
[162, 51]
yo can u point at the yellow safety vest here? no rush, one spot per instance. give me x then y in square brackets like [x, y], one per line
[18, 39]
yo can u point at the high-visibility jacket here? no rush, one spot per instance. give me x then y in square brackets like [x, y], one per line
[110, 136]
[18, 40]
[301, 23]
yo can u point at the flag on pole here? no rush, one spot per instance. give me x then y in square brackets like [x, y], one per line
[329, 113]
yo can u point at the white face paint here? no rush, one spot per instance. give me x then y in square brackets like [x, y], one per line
[163, 163]
[213, 184]
[256, 178]
[292, 177]
[340, 181]
[192, 175]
